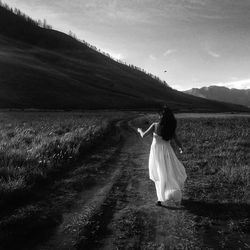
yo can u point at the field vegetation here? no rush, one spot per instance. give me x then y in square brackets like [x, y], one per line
[217, 159]
[37, 147]
[218, 149]
[34, 146]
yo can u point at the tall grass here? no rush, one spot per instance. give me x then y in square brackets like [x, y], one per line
[32, 145]
[218, 149]
[216, 156]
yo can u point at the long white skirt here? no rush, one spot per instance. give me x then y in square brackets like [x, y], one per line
[167, 172]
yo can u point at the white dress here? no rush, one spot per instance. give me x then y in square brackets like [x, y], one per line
[167, 172]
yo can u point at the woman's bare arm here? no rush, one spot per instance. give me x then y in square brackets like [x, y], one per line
[178, 143]
[147, 132]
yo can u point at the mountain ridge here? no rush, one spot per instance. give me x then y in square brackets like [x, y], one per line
[222, 93]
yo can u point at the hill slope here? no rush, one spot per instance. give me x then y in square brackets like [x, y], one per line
[43, 68]
[238, 96]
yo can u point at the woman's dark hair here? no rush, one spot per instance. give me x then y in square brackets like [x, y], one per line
[167, 124]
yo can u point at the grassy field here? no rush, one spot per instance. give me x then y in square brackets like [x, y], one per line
[218, 149]
[35, 145]
[217, 159]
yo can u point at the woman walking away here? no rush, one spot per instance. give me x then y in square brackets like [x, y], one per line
[165, 169]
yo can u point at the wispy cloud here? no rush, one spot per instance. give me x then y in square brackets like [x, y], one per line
[116, 10]
[117, 56]
[178, 87]
[239, 84]
[152, 57]
[169, 52]
[114, 54]
[213, 54]
[209, 49]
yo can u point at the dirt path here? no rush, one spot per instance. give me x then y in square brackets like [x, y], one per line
[119, 211]
[129, 217]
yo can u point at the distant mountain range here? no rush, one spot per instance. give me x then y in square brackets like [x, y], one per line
[42, 68]
[238, 96]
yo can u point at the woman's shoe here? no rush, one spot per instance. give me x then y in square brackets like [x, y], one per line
[158, 203]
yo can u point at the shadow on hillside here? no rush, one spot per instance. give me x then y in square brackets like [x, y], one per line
[222, 211]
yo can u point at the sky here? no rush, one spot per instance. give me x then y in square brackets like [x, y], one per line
[197, 42]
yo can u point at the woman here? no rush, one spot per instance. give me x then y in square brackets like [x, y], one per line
[165, 169]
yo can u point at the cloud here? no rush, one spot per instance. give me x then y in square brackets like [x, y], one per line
[213, 54]
[169, 52]
[236, 84]
[117, 56]
[207, 46]
[178, 87]
[239, 84]
[200, 2]
[115, 10]
[152, 57]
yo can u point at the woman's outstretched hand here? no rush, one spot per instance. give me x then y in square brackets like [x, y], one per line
[139, 130]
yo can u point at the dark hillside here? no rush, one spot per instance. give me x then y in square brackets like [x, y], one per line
[18, 28]
[44, 68]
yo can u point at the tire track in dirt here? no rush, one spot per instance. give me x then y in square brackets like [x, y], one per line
[89, 201]
[99, 229]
